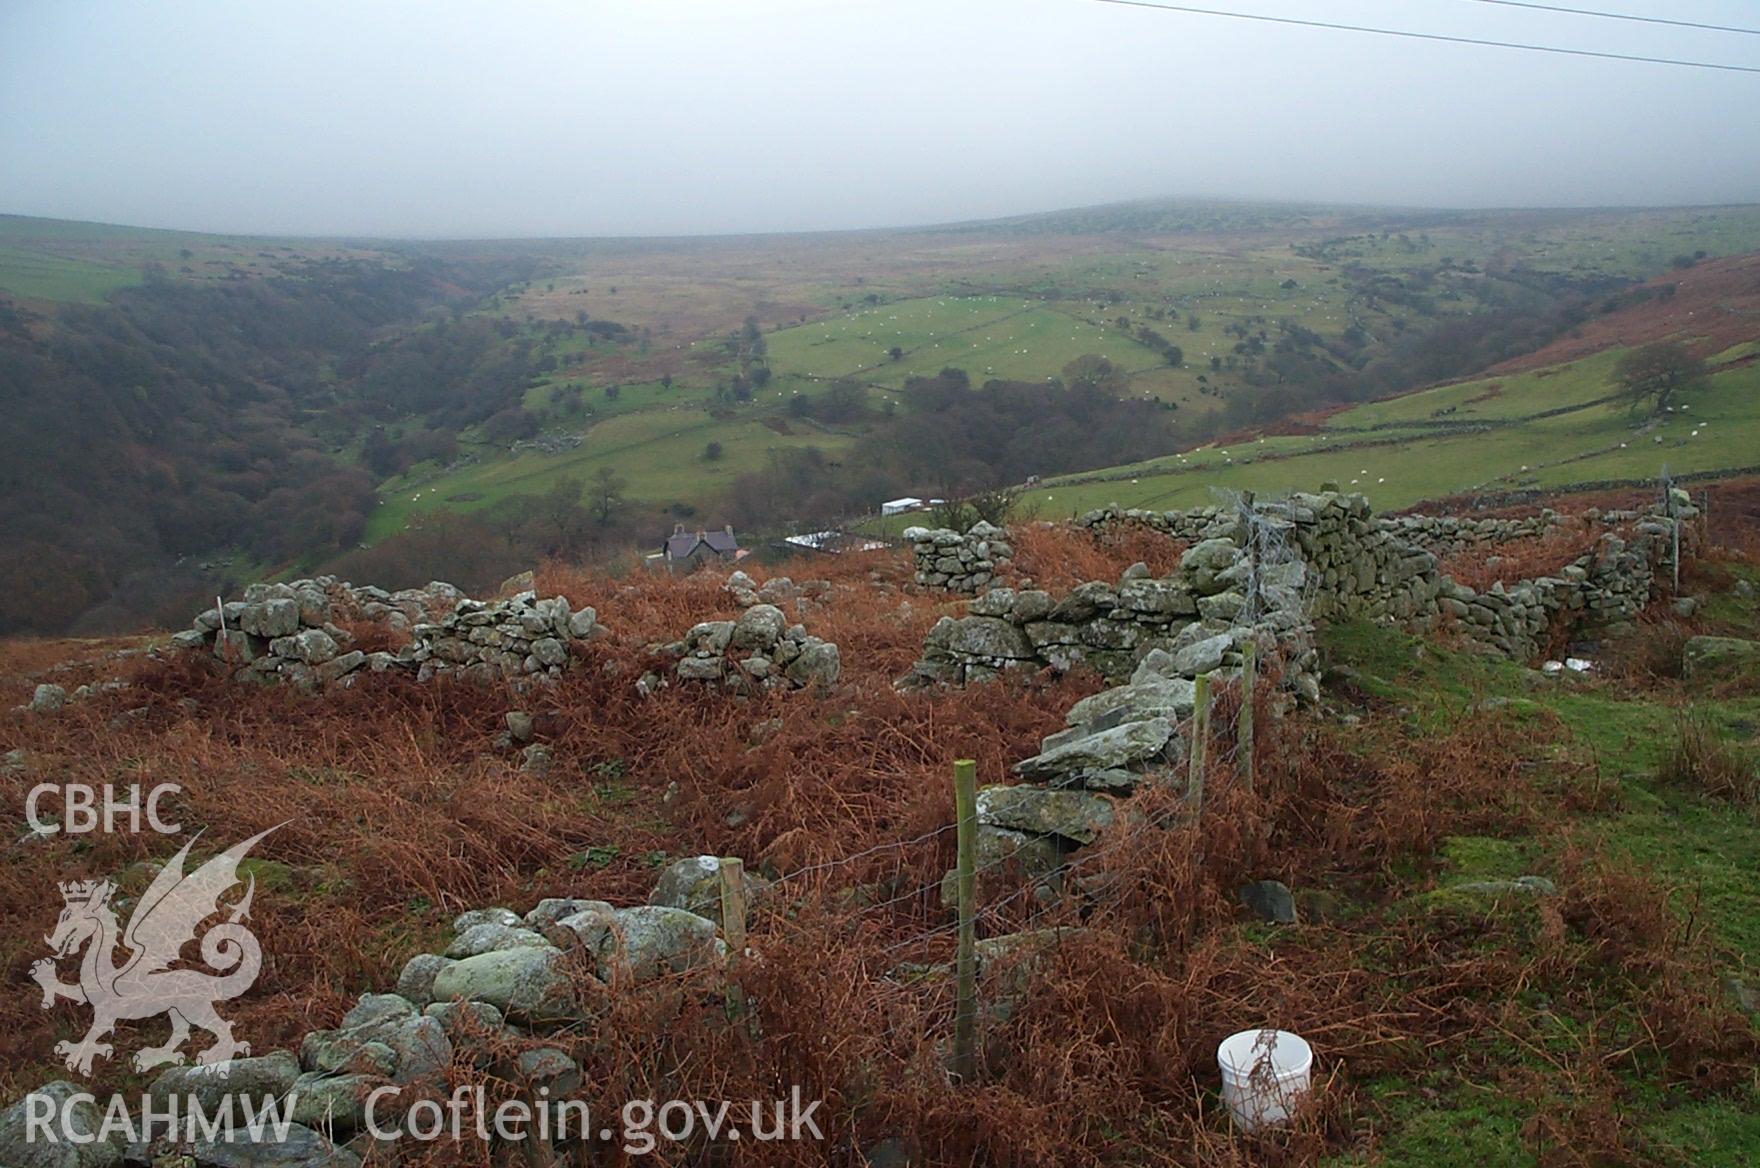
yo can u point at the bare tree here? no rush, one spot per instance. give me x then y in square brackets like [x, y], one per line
[1657, 374]
[606, 491]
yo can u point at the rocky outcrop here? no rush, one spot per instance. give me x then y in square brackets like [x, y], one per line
[956, 562]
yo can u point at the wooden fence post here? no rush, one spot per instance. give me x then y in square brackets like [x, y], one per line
[732, 871]
[1200, 739]
[965, 1009]
[1249, 671]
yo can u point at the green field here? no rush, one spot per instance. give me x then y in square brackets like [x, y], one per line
[1018, 300]
[1704, 849]
[987, 336]
[58, 260]
[33, 275]
[1394, 453]
[659, 452]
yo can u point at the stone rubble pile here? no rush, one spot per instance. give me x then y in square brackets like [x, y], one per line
[959, 563]
[1114, 742]
[760, 650]
[289, 633]
[779, 591]
[496, 999]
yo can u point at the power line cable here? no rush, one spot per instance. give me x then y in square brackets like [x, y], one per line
[1619, 16]
[1430, 36]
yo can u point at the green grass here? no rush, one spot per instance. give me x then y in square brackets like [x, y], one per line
[1706, 853]
[1461, 1128]
[594, 405]
[1397, 467]
[1506, 398]
[987, 336]
[32, 275]
[658, 452]
[64, 260]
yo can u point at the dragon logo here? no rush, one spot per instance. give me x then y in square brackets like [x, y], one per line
[145, 984]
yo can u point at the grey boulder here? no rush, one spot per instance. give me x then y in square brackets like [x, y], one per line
[297, 1147]
[21, 1147]
[525, 984]
[1120, 746]
[652, 939]
[1075, 815]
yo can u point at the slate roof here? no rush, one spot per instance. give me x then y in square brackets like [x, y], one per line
[683, 544]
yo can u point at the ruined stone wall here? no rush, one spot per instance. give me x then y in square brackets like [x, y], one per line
[959, 563]
[760, 650]
[1363, 566]
[1447, 535]
[1191, 526]
[290, 633]
[1350, 564]
[1198, 618]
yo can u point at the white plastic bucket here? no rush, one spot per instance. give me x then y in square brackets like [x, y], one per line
[1264, 1075]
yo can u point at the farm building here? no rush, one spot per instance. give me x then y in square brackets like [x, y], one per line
[686, 551]
[833, 542]
[907, 504]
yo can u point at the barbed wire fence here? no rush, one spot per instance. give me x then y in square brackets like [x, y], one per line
[906, 927]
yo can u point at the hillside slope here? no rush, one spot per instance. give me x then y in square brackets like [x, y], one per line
[1541, 421]
[195, 410]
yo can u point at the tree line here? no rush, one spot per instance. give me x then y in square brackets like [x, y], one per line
[182, 417]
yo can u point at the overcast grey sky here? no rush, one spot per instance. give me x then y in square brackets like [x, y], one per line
[520, 117]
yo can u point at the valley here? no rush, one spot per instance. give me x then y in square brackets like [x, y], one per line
[767, 381]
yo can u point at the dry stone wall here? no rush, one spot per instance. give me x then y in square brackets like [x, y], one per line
[1446, 535]
[1197, 619]
[519, 637]
[1231, 590]
[1345, 563]
[959, 563]
[760, 650]
[290, 633]
[1362, 565]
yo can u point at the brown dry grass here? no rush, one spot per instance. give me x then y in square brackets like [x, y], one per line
[1703, 759]
[1057, 557]
[1521, 559]
[399, 811]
